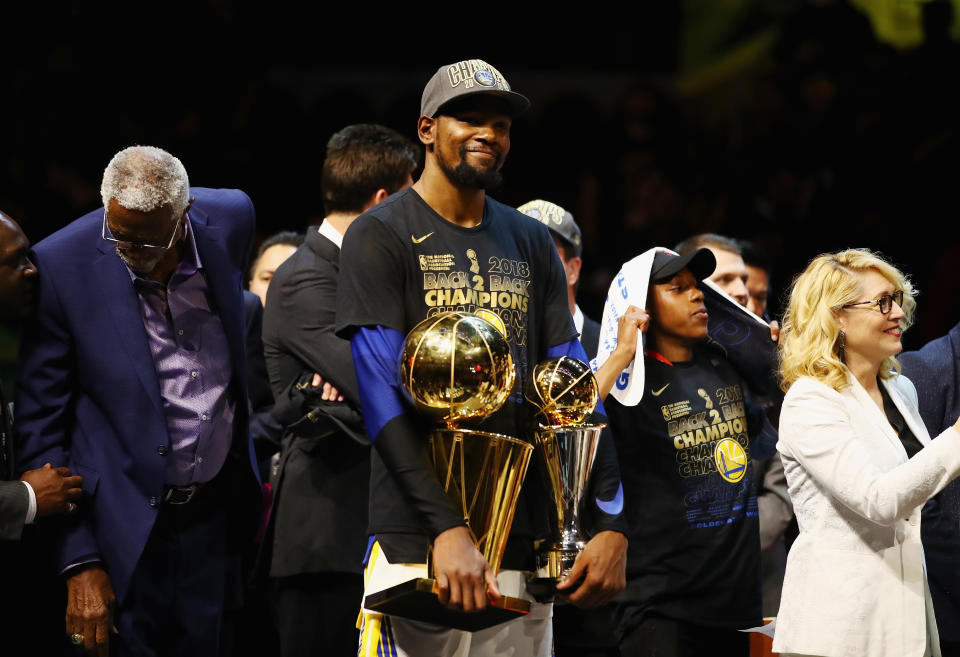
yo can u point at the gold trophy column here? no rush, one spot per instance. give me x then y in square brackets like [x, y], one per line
[457, 368]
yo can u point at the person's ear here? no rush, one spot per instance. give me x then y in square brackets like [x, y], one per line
[426, 130]
[841, 318]
[377, 197]
[572, 268]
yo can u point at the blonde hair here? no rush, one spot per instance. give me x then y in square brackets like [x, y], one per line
[809, 339]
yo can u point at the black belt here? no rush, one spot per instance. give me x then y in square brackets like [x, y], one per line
[180, 494]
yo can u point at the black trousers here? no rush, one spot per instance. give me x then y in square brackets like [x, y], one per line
[584, 632]
[660, 637]
[317, 614]
[178, 590]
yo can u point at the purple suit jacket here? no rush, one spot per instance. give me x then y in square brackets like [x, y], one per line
[88, 395]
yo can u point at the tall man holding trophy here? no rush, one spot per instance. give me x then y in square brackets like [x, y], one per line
[443, 246]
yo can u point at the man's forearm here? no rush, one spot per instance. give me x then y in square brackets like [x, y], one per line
[395, 433]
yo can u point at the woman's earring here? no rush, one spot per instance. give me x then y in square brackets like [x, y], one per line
[843, 343]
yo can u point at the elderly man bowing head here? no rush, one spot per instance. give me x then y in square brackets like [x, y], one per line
[132, 373]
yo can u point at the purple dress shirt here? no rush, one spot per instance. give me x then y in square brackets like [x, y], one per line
[192, 360]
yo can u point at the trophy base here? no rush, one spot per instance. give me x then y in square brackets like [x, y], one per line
[417, 600]
[543, 589]
[557, 561]
[553, 564]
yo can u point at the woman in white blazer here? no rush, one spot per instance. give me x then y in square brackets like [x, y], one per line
[855, 584]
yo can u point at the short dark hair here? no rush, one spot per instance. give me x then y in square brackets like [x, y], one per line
[753, 256]
[361, 159]
[287, 237]
[707, 240]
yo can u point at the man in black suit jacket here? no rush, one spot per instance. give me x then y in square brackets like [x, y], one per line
[319, 520]
[569, 242]
[45, 490]
[576, 631]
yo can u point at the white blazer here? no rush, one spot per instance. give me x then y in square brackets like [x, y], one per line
[855, 584]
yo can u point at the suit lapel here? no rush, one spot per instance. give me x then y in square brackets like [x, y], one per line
[224, 283]
[877, 418]
[223, 280]
[909, 413]
[124, 308]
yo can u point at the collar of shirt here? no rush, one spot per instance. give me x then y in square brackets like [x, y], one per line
[189, 264]
[578, 319]
[327, 230]
[656, 355]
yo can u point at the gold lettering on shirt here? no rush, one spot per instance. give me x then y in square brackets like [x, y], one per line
[696, 435]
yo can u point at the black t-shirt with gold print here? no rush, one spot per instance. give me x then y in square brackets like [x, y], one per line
[409, 263]
[690, 498]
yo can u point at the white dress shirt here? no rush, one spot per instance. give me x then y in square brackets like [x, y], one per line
[327, 230]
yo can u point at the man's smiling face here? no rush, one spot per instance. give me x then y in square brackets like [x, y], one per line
[471, 142]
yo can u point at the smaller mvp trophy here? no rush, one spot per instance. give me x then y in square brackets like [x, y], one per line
[564, 391]
[457, 369]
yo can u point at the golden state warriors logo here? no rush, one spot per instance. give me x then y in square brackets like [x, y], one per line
[485, 78]
[493, 318]
[731, 460]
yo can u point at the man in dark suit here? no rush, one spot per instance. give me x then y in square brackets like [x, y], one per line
[320, 510]
[569, 242]
[28, 618]
[46, 490]
[585, 632]
[132, 371]
[935, 371]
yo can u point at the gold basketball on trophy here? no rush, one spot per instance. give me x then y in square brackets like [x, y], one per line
[564, 391]
[456, 367]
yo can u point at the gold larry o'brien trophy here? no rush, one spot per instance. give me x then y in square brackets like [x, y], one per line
[457, 368]
[564, 391]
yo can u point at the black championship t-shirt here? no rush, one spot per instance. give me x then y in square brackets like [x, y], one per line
[690, 499]
[401, 263]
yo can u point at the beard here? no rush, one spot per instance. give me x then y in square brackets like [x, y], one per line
[470, 176]
[141, 266]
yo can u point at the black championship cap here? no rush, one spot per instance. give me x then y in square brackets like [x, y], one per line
[471, 76]
[666, 264]
[558, 220]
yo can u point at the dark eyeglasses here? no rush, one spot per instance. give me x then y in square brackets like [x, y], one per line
[128, 245]
[885, 302]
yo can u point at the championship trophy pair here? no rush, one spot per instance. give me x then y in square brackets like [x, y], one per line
[457, 369]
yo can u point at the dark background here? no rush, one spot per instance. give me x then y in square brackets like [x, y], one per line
[805, 126]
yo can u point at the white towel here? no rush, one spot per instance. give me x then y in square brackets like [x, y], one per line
[629, 288]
